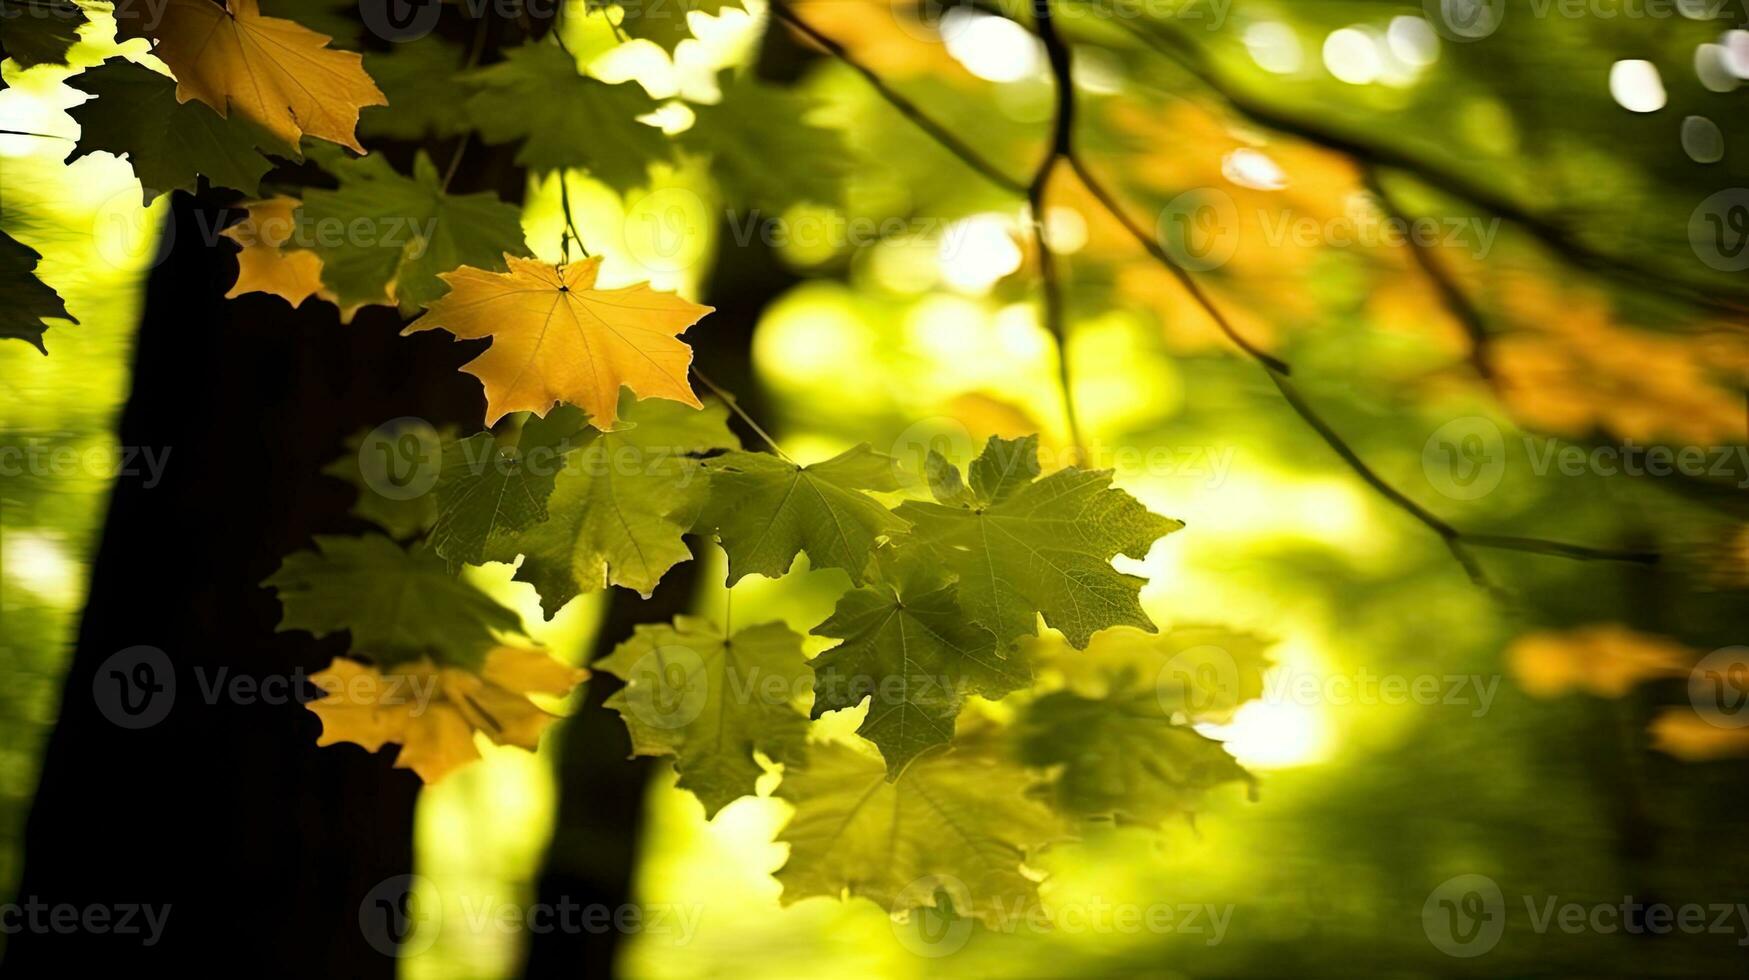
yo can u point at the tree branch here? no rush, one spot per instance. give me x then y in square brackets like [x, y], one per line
[1062, 148]
[936, 131]
[1189, 57]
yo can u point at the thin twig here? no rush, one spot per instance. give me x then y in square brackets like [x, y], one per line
[476, 50]
[1456, 541]
[1450, 295]
[1109, 201]
[948, 141]
[41, 136]
[735, 406]
[1061, 148]
[570, 233]
[1189, 57]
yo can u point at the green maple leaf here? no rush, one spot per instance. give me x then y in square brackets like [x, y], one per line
[170, 144]
[621, 502]
[566, 119]
[1122, 755]
[41, 34]
[664, 22]
[909, 649]
[485, 490]
[420, 80]
[414, 230]
[711, 702]
[398, 605]
[959, 822]
[764, 151]
[766, 510]
[1021, 546]
[25, 302]
[402, 517]
[1202, 672]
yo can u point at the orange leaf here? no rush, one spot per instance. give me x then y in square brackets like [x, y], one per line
[1603, 659]
[274, 72]
[266, 266]
[555, 337]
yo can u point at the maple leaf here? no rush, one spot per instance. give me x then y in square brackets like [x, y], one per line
[420, 81]
[1205, 672]
[276, 73]
[414, 230]
[908, 648]
[398, 605]
[401, 517]
[339, 19]
[1121, 755]
[1022, 546]
[433, 711]
[171, 144]
[766, 510]
[764, 151]
[556, 337]
[621, 501]
[41, 35]
[25, 302]
[564, 118]
[711, 702]
[962, 819]
[483, 490]
[265, 265]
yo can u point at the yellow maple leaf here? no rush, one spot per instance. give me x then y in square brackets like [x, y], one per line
[1604, 659]
[555, 337]
[265, 265]
[262, 267]
[432, 712]
[274, 72]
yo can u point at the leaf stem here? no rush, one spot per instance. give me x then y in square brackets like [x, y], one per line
[735, 406]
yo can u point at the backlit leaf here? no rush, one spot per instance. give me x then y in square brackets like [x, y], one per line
[711, 702]
[909, 649]
[558, 338]
[766, 510]
[398, 605]
[1022, 547]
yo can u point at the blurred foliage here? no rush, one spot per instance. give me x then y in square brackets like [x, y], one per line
[1601, 326]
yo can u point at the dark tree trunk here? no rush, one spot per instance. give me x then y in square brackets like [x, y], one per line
[262, 845]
